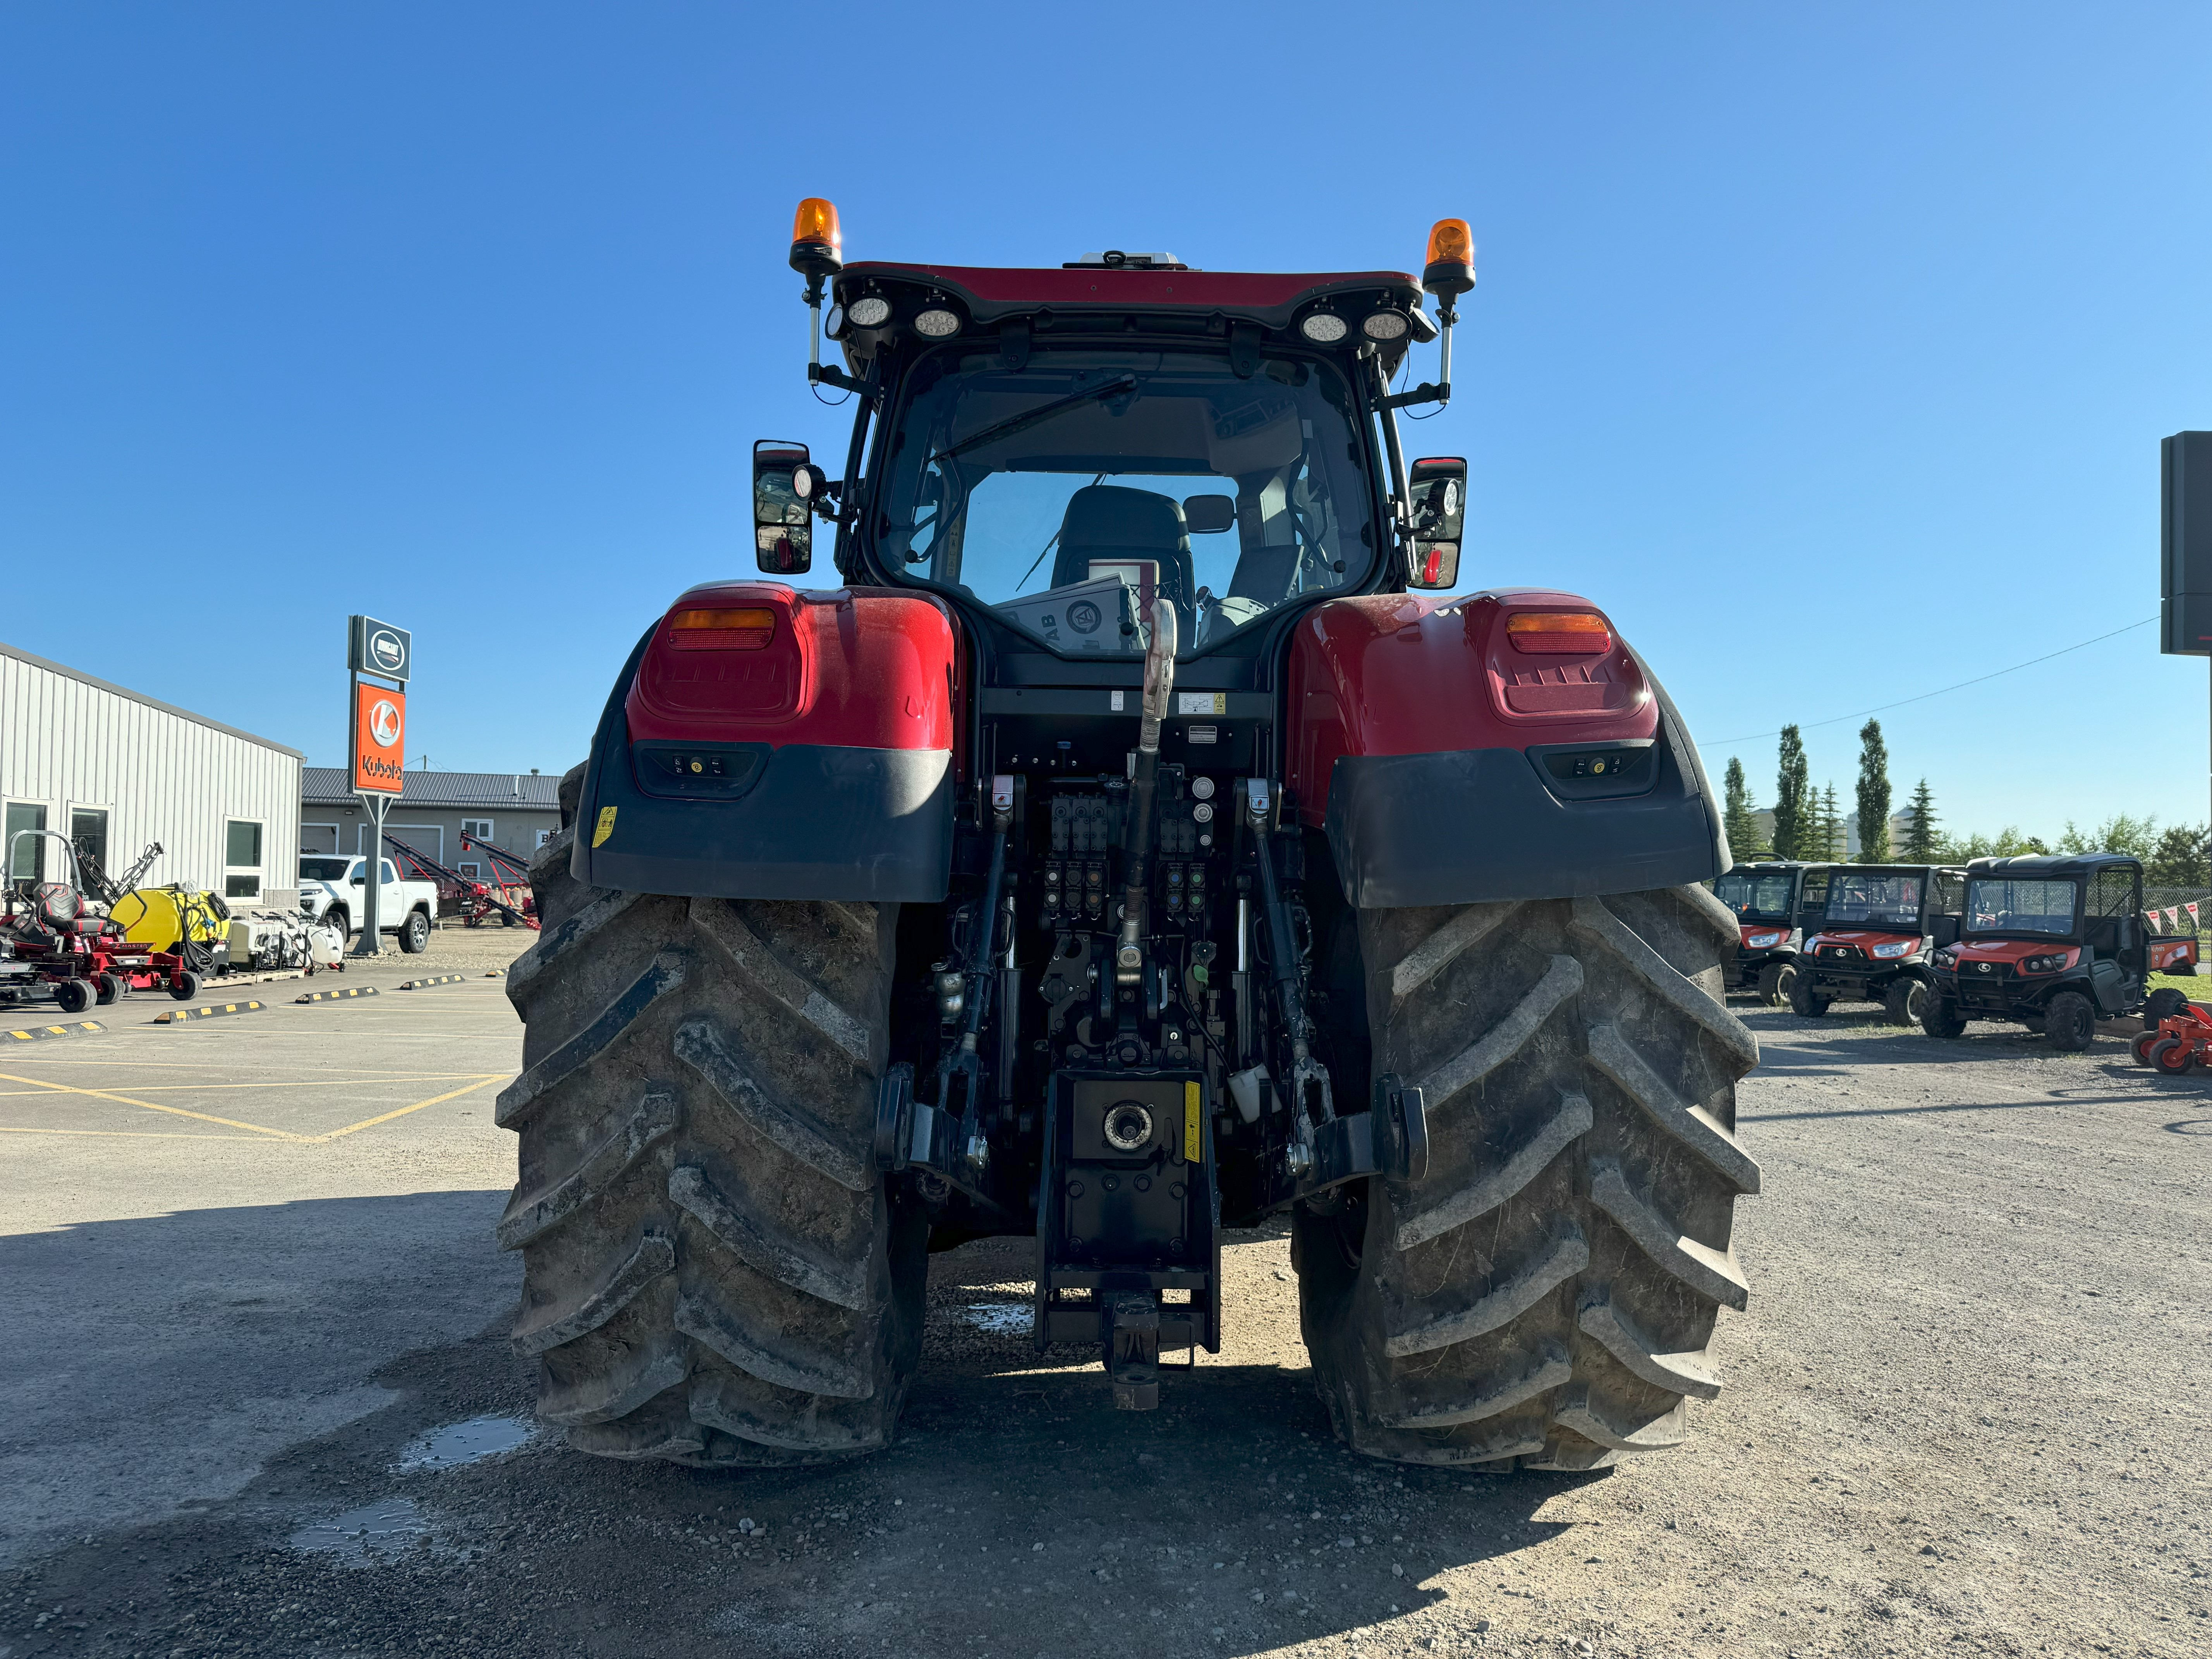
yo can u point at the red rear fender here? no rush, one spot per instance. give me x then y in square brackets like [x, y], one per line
[860, 668]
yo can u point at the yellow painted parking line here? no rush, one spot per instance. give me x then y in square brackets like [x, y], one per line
[316, 1083]
[118, 1134]
[434, 1100]
[179, 1111]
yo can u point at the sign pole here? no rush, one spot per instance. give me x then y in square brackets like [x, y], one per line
[376, 719]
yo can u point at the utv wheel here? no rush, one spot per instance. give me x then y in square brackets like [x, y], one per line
[713, 1274]
[1778, 982]
[1803, 1001]
[1941, 1018]
[2069, 1024]
[1905, 1002]
[1543, 1294]
[2162, 1003]
[2171, 1056]
[72, 996]
[415, 934]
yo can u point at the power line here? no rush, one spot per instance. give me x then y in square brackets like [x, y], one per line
[1815, 725]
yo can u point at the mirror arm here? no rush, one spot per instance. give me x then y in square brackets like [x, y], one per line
[1439, 391]
[828, 374]
[1423, 394]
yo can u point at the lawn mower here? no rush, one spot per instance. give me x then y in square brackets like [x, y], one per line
[69, 942]
[2182, 1040]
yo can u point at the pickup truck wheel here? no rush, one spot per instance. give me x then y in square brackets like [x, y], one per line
[713, 1272]
[415, 934]
[1543, 1295]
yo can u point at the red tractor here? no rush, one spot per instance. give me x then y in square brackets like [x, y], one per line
[1134, 844]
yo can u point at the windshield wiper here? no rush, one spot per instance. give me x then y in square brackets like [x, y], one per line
[1043, 412]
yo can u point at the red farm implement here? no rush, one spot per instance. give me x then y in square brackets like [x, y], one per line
[475, 902]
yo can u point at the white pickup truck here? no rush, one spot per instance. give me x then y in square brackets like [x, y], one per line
[331, 891]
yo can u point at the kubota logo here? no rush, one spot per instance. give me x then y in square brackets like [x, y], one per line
[384, 724]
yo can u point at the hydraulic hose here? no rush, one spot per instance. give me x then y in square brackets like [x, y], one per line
[1144, 787]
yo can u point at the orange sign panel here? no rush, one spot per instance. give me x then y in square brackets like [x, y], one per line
[380, 738]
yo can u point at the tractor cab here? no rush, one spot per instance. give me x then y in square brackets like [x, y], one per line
[1774, 901]
[2055, 942]
[1878, 926]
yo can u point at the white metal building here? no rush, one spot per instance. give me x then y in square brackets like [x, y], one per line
[113, 771]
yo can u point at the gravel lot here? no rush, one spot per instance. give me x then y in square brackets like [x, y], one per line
[1961, 1419]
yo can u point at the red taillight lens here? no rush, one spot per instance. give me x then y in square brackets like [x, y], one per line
[1560, 632]
[742, 628]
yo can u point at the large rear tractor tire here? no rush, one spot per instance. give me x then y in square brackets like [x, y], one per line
[1543, 1295]
[713, 1274]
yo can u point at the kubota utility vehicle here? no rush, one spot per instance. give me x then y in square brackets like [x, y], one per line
[1880, 925]
[1774, 900]
[2053, 941]
[2175, 948]
[1135, 845]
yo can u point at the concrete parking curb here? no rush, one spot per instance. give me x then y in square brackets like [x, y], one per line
[334, 996]
[442, 979]
[40, 1033]
[180, 1016]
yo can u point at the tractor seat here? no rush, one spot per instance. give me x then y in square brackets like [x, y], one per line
[1108, 521]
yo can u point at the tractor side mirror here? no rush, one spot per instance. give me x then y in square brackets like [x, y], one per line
[784, 485]
[1209, 515]
[1439, 507]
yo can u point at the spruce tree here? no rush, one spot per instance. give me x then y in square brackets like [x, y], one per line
[1828, 827]
[1740, 817]
[1874, 795]
[1920, 839]
[1792, 809]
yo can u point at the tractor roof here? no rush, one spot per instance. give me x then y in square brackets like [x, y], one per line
[2050, 866]
[1269, 298]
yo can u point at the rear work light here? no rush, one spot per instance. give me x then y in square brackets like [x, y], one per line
[1560, 632]
[744, 628]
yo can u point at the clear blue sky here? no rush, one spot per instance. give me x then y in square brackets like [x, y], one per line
[1829, 348]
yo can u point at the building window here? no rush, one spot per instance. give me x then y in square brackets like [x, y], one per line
[88, 835]
[318, 838]
[241, 860]
[473, 871]
[27, 859]
[475, 829]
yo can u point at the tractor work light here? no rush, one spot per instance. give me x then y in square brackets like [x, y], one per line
[1324, 328]
[937, 322]
[816, 243]
[869, 311]
[1560, 632]
[736, 628]
[1385, 325]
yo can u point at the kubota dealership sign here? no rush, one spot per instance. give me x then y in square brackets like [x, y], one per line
[380, 738]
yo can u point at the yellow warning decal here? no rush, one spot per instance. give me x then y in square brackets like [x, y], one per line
[1190, 1124]
[605, 827]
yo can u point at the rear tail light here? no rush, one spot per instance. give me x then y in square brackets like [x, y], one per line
[1560, 632]
[742, 628]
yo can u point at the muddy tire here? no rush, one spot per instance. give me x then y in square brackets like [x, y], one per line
[713, 1272]
[1906, 1001]
[1542, 1296]
[1776, 981]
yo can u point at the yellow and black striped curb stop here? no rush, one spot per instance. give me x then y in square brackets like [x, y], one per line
[181, 1015]
[40, 1033]
[442, 979]
[333, 996]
